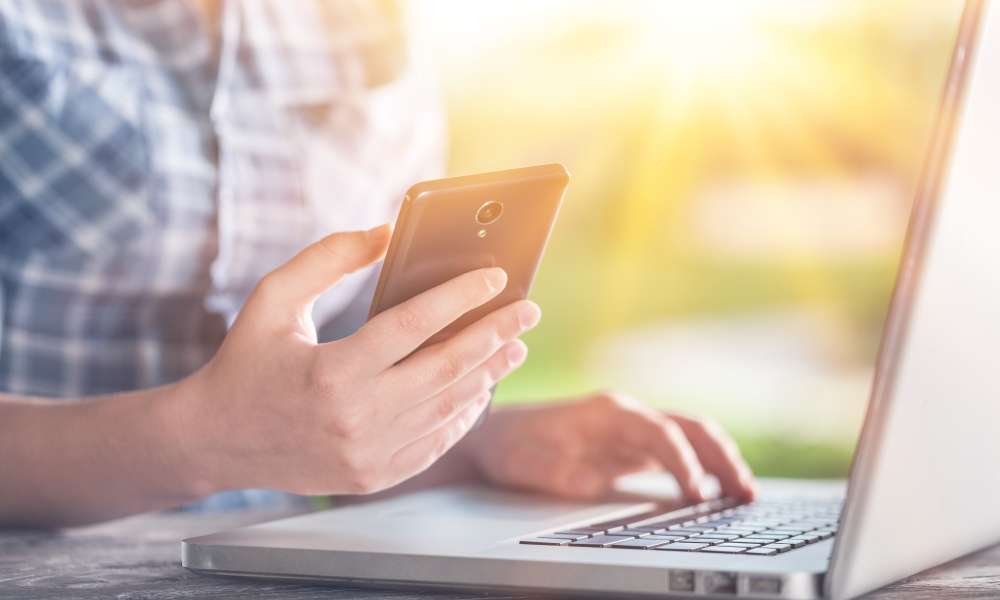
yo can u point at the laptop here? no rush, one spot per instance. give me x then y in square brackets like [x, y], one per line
[923, 487]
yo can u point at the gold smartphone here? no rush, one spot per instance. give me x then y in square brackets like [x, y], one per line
[447, 227]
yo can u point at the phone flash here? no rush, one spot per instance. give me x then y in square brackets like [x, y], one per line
[482, 233]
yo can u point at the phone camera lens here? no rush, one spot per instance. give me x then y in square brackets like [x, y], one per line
[489, 212]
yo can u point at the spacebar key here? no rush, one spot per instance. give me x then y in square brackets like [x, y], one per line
[599, 541]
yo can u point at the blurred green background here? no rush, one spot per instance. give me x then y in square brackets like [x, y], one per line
[742, 177]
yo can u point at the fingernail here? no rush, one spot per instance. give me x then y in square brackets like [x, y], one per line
[516, 353]
[696, 486]
[528, 315]
[496, 279]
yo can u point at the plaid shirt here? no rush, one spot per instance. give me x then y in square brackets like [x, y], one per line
[158, 157]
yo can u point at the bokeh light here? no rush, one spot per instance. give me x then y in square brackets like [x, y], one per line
[742, 176]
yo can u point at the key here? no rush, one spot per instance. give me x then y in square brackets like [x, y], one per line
[772, 536]
[707, 540]
[779, 547]
[632, 532]
[754, 540]
[639, 543]
[683, 546]
[717, 523]
[717, 536]
[660, 525]
[672, 538]
[802, 526]
[765, 551]
[737, 530]
[599, 541]
[724, 549]
[744, 544]
[542, 541]
[565, 536]
[648, 529]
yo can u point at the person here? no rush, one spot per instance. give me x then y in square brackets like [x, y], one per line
[163, 341]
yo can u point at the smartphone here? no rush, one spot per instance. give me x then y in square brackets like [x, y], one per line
[447, 227]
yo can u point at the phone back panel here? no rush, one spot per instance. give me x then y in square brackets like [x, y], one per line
[438, 236]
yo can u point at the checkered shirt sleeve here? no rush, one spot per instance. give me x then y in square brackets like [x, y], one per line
[156, 159]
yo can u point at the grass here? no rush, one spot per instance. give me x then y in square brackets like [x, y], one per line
[772, 456]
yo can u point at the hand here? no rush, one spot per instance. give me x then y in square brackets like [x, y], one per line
[577, 449]
[274, 409]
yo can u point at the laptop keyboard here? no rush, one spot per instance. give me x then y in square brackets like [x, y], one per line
[763, 528]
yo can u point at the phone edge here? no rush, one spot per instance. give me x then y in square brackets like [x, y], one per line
[419, 189]
[390, 254]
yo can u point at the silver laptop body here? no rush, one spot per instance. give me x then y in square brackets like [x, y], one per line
[924, 487]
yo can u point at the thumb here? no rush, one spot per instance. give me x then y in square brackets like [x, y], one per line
[319, 266]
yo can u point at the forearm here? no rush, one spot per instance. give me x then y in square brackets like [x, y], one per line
[68, 463]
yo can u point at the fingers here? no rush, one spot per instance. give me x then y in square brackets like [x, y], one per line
[428, 415]
[665, 441]
[648, 430]
[720, 455]
[312, 271]
[687, 447]
[395, 333]
[433, 369]
[418, 455]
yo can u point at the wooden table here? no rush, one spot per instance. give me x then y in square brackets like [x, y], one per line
[139, 557]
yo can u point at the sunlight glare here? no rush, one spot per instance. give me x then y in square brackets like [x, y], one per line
[712, 41]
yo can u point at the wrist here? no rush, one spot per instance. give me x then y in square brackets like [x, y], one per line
[184, 436]
[485, 439]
